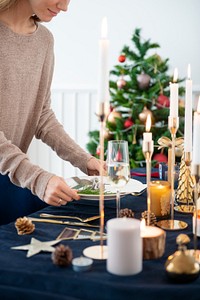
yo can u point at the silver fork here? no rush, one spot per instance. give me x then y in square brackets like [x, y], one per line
[43, 215]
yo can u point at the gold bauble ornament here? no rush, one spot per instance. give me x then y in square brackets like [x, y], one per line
[143, 115]
[113, 115]
[178, 151]
[107, 135]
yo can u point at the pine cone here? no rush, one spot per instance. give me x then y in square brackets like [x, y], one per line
[62, 256]
[153, 219]
[126, 212]
[24, 226]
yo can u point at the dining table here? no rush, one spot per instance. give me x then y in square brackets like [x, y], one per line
[37, 277]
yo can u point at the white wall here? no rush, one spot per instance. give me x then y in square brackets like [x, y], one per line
[174, 24]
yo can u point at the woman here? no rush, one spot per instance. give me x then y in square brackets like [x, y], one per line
[26, 59]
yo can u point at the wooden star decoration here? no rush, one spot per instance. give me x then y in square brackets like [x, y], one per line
[37, 246]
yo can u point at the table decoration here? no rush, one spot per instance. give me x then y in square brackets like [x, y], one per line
[62, 255]
[79, 234]
[153, 241]
[81, 264]
[147, 148]
[184, 193]
[124, 246]
[24, 226]
[37, 246]
[126, 212]
[160, 192]
[173, 125]
[153, 219]
[182, 267]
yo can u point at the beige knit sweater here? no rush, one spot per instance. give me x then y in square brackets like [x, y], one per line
[26, 67]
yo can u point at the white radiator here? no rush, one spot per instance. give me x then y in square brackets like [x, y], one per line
[75, 110]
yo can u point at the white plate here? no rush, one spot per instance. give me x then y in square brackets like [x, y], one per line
[133, 186]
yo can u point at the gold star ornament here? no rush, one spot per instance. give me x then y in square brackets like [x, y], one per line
[37, 246]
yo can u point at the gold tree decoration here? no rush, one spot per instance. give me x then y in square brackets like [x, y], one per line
[184, 193]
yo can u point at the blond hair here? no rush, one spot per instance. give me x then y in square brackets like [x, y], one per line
[6, 4]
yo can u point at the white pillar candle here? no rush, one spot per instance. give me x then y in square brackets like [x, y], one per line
[188, 114]
[124, 246]
[196, 137]
[147, 136]
[103, 84]
[174, 96]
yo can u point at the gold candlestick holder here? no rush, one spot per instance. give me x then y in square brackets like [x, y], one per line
[173, 124]
[147, 149]
[100, 251]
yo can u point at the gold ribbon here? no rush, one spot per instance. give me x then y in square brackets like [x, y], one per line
[166, 142]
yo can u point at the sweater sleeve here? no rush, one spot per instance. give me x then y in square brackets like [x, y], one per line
[20, 170]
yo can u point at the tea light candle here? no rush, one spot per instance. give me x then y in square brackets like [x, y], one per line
[124, 246]
[160, 193]
[81, 264]
[153, 241]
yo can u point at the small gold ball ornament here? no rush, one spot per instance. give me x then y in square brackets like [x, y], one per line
[113, 115]
[143, 115]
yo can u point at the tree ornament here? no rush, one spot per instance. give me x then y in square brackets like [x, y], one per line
[107, 135]
[98, 150]
[122, 58]
[121, 83]
[143, 80]
[153, 219]
[62, 256]
[143, 115]
[128, 123]
[160, 157]
[178, 151]
[24, 226]
[162, 101]
[113, 115]
[126, 212]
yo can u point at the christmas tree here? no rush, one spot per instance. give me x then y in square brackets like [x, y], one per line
[139, 85]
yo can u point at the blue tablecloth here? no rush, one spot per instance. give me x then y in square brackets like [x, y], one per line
[38, 278]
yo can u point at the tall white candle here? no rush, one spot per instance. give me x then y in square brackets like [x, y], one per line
[103, 84]
[188, 114]
[196, 136]
[124, 246]
[147, 136]
[174, 96]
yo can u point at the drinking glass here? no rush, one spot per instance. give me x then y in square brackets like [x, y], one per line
[118, 167]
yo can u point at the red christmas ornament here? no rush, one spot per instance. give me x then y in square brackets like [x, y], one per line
[160, 157]
[98, 150]
[118, 156]
[162, 101]
[128, 123]
[122, 58]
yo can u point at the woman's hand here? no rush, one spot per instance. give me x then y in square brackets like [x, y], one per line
[58, 193]
[94, 165]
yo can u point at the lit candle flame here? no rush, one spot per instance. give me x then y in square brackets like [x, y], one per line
[175, 75]
[148, 123]
[104, 28]
[198, 106]
[189, 71]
